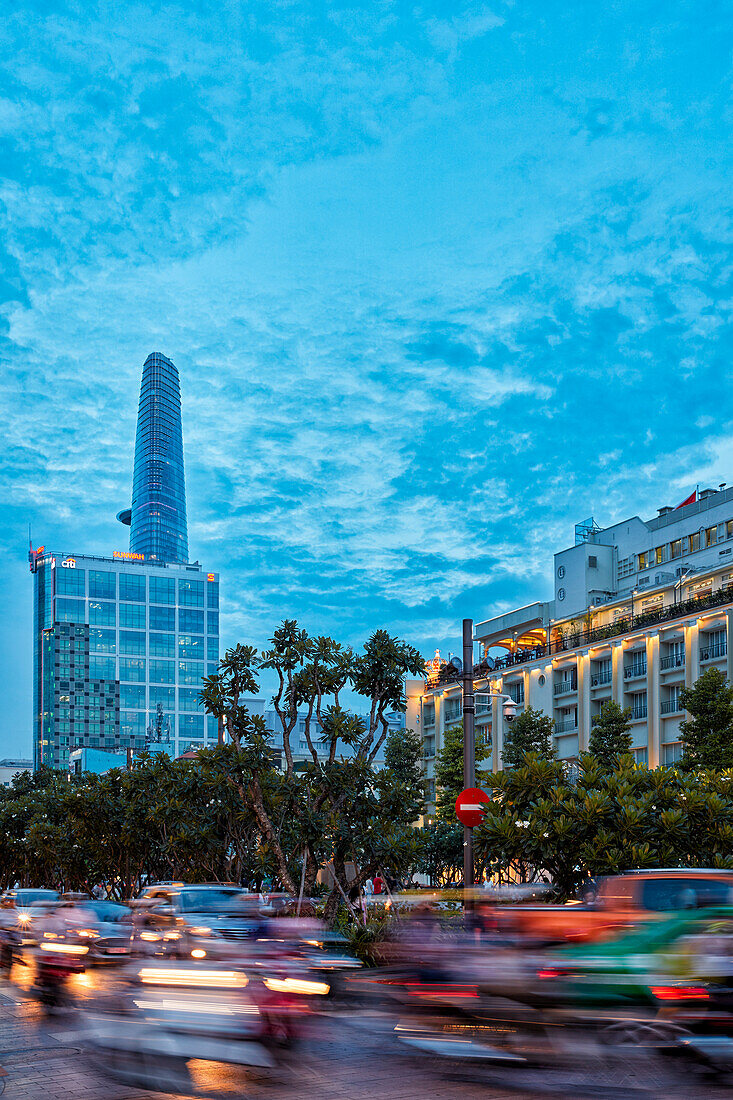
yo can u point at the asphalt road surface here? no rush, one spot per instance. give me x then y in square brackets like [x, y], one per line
[345, 1056]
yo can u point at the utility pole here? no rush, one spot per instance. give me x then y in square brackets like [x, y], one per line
[469, 743]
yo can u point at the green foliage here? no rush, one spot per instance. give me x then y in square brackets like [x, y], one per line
[609, 735]
[441, 852]
[604, 822]
[708, 735]
[403, 757]
[531, 731]
[449, 772]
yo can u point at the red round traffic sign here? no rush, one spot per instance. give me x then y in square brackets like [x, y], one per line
[471, 806]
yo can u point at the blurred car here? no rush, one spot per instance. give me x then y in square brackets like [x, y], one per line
[214, 910]
[29, 905]
[109, 934]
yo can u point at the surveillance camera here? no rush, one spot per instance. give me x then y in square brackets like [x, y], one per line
[510, 710]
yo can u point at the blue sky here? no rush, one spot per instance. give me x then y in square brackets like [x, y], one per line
[440, 281]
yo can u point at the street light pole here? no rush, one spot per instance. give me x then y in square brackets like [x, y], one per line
[469, 743]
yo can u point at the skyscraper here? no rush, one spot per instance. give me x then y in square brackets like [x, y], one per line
[157, 518]
[122, 640]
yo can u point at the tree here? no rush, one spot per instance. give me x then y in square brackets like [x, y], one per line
[449, 772]
[339, 809]
[531, 731]
[403, 757]
[604, 822]
[708, 735]
[609, 736]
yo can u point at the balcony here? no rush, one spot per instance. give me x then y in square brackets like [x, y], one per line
[638, 712]
[714, 651]
[600, 678]
[567, 725]
[680, 610]
[672, 660]
[564, 687]
[632, 672]
[671, 706]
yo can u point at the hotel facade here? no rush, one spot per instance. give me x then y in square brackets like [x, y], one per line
[641, 609]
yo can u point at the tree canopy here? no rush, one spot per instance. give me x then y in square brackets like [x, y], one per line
[531, 731]
[708, 735]
[609, 734]
[449, 772]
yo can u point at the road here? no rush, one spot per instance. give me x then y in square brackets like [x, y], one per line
[344, 1057]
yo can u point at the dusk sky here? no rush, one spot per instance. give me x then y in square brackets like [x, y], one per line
[440, 281]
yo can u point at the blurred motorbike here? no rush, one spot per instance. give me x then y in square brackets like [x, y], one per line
[57, 959]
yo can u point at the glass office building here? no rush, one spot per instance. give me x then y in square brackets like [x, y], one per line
[122, 643]
[157, 518]
[120, 650]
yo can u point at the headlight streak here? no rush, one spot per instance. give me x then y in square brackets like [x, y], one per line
[297, 985]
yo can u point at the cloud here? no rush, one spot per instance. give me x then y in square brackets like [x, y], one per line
[438, 284]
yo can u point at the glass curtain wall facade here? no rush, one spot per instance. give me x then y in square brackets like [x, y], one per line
[157, 518]
[120, 651]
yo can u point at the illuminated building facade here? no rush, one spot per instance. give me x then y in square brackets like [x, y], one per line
[641, 609]
[157, 518]
[121, 647]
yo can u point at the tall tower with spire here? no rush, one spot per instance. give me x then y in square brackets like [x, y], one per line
[157, 518]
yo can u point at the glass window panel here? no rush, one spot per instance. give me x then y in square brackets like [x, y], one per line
[132, 695]
[102, 586]
[212, 727]
[70, 611]
[162, 618]
[162, 645]
[162, 590]
[101, 640]
[102, 614]
[190, 672]
[212, 591]
[191, 725]
[132, 616]
[132, 643]
[132, 669]
[101, 668]
[132, 587]
[70, 582]
[132, 724]
[166, 696]
[212, 649]
[211, 670]
[212, 622]
[191, 593]
[191, 646]
[190, 621]
[163, 672]
[188, 699]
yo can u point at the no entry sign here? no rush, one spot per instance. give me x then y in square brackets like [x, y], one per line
[471, 806]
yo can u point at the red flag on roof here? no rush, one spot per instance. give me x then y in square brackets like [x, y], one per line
[690, 499]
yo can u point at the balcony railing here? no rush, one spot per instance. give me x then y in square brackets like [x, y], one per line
[673, 660]
[632, 671]
[712, 652]
[604, 677]
[647, 618]
[566, 726]
[638, 712]
[670, 706]
[571, 640]
[564, 687]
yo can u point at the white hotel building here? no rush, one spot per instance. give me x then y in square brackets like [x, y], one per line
[641, 609]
